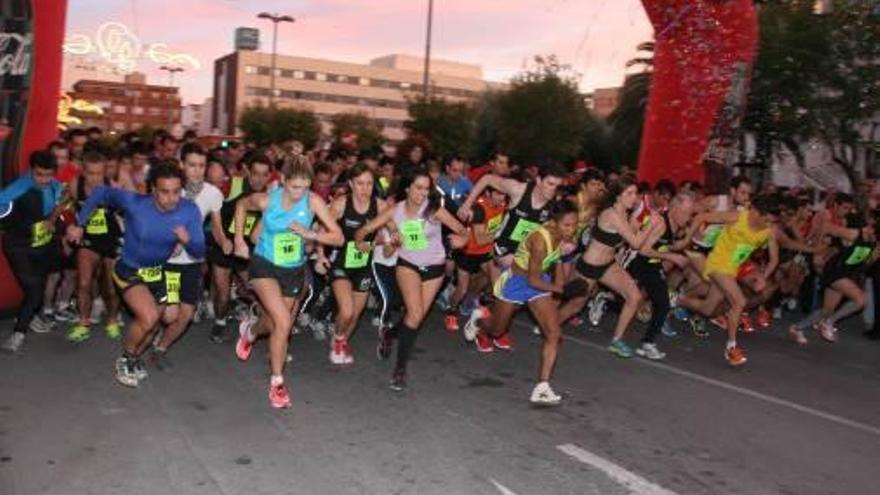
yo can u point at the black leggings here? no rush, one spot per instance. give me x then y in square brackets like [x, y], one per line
[651, 277]
[31, 271]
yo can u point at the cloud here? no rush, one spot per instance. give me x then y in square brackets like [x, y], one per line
[595, 36]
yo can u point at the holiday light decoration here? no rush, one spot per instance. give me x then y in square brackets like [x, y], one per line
[66, 103]
[116, 44]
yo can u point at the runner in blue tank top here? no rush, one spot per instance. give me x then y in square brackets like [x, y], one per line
[278, 266]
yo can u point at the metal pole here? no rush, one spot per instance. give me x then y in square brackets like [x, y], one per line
[274, 50]
[426, 77]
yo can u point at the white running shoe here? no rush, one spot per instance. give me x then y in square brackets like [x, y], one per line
[41, 325]
[827, 331]
[14, 342]
[125, 372]
[337, 353]
[471, 328]
[650, 351]
[543, 395]
[597, 308]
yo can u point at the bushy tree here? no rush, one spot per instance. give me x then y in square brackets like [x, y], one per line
[448, 126]
[267, 125]
[368, 132]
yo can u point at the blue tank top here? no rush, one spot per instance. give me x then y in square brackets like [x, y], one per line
[277, 243]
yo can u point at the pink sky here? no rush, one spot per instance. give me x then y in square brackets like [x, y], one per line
[596, 37]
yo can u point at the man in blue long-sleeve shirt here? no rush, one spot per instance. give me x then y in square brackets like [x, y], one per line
[30, 243]
[156, 226]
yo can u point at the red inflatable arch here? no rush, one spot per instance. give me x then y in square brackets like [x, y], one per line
[702, 63]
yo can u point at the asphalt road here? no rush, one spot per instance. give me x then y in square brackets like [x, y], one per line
[794, 420]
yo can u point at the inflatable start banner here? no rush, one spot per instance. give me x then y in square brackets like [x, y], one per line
[702, 65]
[31, 37]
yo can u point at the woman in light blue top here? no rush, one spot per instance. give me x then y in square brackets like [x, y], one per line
[277, 268]
[414, 222]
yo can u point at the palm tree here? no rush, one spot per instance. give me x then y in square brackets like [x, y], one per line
[628, 118]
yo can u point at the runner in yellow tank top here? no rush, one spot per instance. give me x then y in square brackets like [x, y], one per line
[744, 232]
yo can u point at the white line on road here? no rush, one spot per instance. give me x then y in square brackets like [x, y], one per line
[633, 482]
[840, 420]
[501, 488]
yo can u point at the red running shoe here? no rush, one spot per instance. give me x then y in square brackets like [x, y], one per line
[451, 322]
[735, 356]
[483, 342]
[278, 396]
[504, 342]
[745, 322]
[763, 318]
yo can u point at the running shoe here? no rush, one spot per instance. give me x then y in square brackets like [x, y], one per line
[385, 344]
[735, 356]
[576, 321]
[681, 314]
[763, 319]
[791, 303]
[777, 313]
[140, 369]
[443, 298]
[451, 321]
[279, 397]
[113, 330]
[244, 346]
[78, 333]
[125, 373]
[319, 330]
[398, 380]
[543, 395]
[667, 330]
[159, 360]
[797, 335]
[483, 343]
[217, 331]
[41, 324]
[14, 342]
[698, 327]
[65, 315]
[720, 321]
[827, 331]
[337, 352]
[650, 351]
[303, 320]
[620, 348]
[346, 351]
[471, 328]
[376, 321]
[745, 322]
[505, 343]
[597, 309]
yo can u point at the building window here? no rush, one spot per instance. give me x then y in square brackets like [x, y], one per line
[334, 78]
[119, 109]
[405, 85]
[263, 71]
[298, 74]
[154, 111]
[286, 73]
[250, 69]
[364, 81]
[320, 76]
[119, 126]
[137, 110]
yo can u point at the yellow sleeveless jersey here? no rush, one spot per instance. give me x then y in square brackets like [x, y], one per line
[522, 255]
[734, 246]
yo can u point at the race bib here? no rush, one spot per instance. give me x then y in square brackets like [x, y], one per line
[150, 274]
[288, 249]
[710, 236]
[859, 255]
[41, 235]
[742, 253]
[97, 223]
[494, 224]
[172, 287]
[249, 223]
[413, 236]
[354, 257]
[523, 229]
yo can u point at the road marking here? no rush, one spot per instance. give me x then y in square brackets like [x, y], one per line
[501, 488]
[633, 482]
[840, 420]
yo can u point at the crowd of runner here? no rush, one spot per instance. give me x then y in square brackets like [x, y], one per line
[263, 243]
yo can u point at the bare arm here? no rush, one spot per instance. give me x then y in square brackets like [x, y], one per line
[253, 202]
[332, 235]
[512, 188]
[773, 247]
[450, 221]
[383, 219]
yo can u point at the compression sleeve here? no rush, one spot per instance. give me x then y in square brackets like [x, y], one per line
[103, 195]
[17, 189]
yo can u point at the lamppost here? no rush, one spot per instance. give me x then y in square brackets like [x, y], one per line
[171, 70]
[275, 18]
[426, 82]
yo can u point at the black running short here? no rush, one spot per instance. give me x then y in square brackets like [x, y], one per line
[153, 278]
[291, 280]
[472, 263]
[429, 272]
[361, 279]
[590, 271]
[183, 283]
[217, 258]
[104, 246]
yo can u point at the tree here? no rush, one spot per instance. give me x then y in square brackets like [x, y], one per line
[543, 115]
[448, 126]
[598, 144]
[816, 77]
[271, 125]
[369, 134]
[485, 140]
[627, 121]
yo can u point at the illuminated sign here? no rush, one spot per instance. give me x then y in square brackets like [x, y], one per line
[117, 45]
[67, 103]
[15, 54]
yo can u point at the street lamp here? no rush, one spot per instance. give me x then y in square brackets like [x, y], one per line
[171, 70]
[425, 77]
[275, 18]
